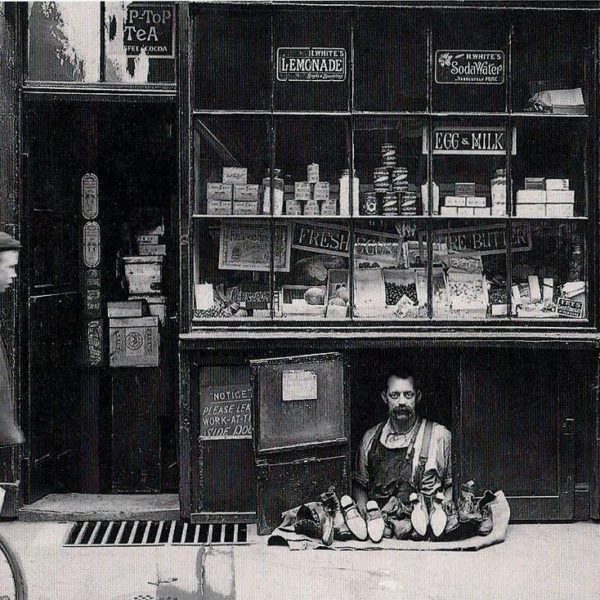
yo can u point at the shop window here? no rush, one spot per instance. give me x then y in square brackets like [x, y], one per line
[64, 41]
[233, 60]
[311, 50]
[390, 62]
[470, 62]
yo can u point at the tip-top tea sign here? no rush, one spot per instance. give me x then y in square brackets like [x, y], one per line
[475, 67]
[149, 26]
[311, 64]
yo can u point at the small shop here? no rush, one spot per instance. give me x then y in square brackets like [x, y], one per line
[241, 220]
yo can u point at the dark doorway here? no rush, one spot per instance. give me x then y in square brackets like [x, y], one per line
[96, 429]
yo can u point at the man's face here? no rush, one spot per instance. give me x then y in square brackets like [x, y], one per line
[8, 265]
[401, 398]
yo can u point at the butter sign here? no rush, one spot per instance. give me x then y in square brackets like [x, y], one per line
[475, 67]
[311, 64]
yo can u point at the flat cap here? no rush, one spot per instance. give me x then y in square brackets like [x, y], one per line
[7, 242]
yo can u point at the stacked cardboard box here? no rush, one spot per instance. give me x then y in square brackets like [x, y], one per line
[234, 195]
[555, 199]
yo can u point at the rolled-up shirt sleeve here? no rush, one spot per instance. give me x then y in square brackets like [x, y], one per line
[361, 472]
[446, 456]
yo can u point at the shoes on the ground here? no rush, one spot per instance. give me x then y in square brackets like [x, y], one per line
[375, 523]
[402, 528]
[487, 524]
[308, 523]
[419, 516]
[356, 524]
[331, 503]
[467, 509]
[437, 516]
[327, 529]
[452, 514]
[388, 532]
[487, 497]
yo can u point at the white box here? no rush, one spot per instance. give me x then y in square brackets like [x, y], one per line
[534, 288]
[531, 196]
[245, 192]
[464, 211]
[243, 207]
[219, 191]
[321, 191]
[559, 210]
[302, 190]
[482, 212]
[557, 184]
[218, 207]
[235, 175]
[449, 211]
[455, 201]
[560, 196]
[477, 201]
[498, 210]
[531, 210]
[548, 289]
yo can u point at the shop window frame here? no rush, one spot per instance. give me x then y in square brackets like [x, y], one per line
[588, 221]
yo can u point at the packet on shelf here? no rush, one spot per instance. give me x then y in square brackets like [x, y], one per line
[302, 190]
[559, 210]
[476, 201]
[560, 196]
[531, 210]
[218, 207]
[482, 212]
[235, 175]
[219, 191]
[535, 183]
[245, 192]
[464, 189]
[455, 201]
[531, 196]
[321, 191]
[465, 211]
[449, 211]
[557, 184]
[243, 207]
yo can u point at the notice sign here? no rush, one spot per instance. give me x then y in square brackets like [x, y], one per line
[570, 309]
[89, 196]
[149, 26]
[475, 67]
[298, 385]
[226, 412]
[311, 64]
[469, 140]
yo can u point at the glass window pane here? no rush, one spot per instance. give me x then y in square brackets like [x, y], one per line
[64, 41]
[549, 53]
[390, 166]
[232, 59]
[549, 280]
[390, 270]
[550, 170]
[390, 61]
[140, 42]
[312, 53]
[469, 269]
[470, 61]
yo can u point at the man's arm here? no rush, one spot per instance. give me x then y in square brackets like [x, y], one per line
[360, 496]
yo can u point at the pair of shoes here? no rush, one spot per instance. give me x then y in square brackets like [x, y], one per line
[402, 527]
[436, 517]
[308, 523]
[331, 504]
[373, 527]
[468, 510]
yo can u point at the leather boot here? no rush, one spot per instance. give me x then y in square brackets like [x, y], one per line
[331, 503]
[467, 509]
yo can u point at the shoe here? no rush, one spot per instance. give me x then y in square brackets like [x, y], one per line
[327, 529]
[331, 504]
[419, 517]
[452, 514]
[487, 524]
[308, 523]
[437, 516]
[487, 497]
[467, 509]
[402, 528]
[375, 523]
[356, 524]
[388, 532]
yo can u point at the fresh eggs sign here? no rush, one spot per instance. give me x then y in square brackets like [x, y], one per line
[311, 64]
[475, 67]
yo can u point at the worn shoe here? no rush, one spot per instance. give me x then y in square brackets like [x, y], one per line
[419, 517]
[331, 503]
[437, 516]
[467, 509]
[487, 497]
[356, 524]
[487, 524]
[452, 514]
[308, 523]
[402, 528]
[327, 529]
[375, 523]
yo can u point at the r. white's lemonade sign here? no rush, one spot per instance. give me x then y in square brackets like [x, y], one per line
[480, 67]
[311, 64]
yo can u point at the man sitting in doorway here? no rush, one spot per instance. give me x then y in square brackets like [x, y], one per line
[405, 457]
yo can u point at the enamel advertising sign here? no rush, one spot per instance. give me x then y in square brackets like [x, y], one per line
[474, 67]
[311, 64]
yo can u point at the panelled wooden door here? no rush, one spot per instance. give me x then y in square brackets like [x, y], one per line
[517, 428]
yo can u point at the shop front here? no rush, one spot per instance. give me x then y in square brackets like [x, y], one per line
[383, 188]
[239, 220]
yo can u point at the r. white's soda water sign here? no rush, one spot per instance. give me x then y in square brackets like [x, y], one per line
[311, 64]
[151, 26]
[479, 67]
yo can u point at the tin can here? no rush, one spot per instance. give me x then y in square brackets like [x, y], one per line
[408, 203]
[400, 179]
[312, 173]
[369, 204]
[381, 179]
[388, 155]
[390, 203]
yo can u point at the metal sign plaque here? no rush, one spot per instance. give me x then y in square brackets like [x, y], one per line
[91, 244]
[311, 64]
[471, 140]
[92, 278]
[92, 302]
[94, 343]
[469, 67]
[89, 196]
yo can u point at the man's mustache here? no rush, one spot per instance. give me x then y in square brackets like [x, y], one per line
[402, 409]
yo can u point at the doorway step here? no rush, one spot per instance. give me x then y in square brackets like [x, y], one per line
[105, 507]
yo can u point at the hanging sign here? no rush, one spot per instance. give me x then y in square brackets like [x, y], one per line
[149, 26]
[91, 244]
[89, 196]
[226, 412]
[474, 67]
[470, 140]
[311, 64]
[94, 343]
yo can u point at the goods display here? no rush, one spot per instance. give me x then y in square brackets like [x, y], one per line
[555, 199]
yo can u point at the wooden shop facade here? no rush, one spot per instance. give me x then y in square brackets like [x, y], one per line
[238, 217]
